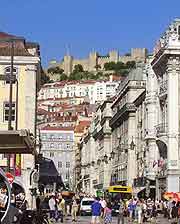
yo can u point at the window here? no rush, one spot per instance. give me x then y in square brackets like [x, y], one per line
[67, 176]
[8, 73]
[51, 154]
[59, 164]
[51, 145]
[67, 164]
[6, 111]
[68, 146]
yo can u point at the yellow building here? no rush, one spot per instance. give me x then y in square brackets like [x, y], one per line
[26, 77]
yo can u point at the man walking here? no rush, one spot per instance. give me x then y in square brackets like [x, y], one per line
[121, 213]
[52, 206]
[96, 211]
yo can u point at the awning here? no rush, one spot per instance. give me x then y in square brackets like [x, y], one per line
[137, 190]
[48, 173]
[17, 186]
[20, 141]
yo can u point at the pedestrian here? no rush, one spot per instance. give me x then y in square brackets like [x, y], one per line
[52, 206]
[108, 214]
[121, 212]
[174, 213]
[103, 205]
[38, 202]
[138, 212]
[131, 209]
[96, 211]
[61, 208]
[74, 210]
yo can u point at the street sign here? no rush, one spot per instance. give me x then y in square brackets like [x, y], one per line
[10, 177]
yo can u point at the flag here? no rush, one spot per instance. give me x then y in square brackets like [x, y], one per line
[18, 165]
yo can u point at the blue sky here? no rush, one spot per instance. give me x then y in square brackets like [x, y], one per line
[85, 25]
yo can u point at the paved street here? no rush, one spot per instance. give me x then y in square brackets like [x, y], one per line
[87, 219]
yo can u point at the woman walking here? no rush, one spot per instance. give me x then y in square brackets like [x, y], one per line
[108, 214]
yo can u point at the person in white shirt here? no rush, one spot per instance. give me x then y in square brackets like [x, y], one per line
[103, 205]
[52, 206]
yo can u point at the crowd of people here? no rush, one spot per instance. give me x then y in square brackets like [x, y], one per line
[133, 210]
[136, 211]
[59, 206]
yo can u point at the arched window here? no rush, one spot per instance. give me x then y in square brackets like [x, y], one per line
[7, 73]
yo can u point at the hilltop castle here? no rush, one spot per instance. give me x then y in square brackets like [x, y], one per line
[96, 62]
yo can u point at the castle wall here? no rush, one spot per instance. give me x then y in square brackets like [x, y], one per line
[90, 63]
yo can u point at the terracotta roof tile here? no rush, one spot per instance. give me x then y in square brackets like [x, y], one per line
[50, 128]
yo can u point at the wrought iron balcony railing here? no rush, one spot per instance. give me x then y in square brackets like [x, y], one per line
[163, 88]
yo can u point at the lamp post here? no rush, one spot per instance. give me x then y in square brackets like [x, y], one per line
[10, 79]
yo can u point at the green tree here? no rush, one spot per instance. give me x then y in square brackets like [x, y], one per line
[44, 77]
[78, 68]
[63, 77]
[98, 75]
[119, 65]
[55, 70]
[110, 66]
[97, 67]
[76, 76]
[131, 64]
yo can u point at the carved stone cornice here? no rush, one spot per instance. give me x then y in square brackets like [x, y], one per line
[173, 64]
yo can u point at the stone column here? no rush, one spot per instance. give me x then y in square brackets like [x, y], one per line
[107, 166]
[173, 124]
[131, 172]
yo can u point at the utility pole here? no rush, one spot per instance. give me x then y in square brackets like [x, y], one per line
[11, 86]
[10, 79]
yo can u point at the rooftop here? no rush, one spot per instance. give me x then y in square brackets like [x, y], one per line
[50, 128]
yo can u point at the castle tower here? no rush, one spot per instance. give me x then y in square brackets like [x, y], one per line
[93, 56]
[68, 64]
[113, 56]
[139, 53]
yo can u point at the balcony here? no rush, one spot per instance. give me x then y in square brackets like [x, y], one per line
[161, 129]
[107, 114]
[163, 89]
[121, 113]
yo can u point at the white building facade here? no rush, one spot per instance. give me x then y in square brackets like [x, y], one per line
[57, 145]
[93, 91]
[165, 69]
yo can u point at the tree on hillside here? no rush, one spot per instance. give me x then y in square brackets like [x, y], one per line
[55, 70]
[120, 65]
[76, 76]
[98, 75]
[63, 77]
[131, 64]
[78, 68]
[110, 66]
[97, 67]
[44, 77]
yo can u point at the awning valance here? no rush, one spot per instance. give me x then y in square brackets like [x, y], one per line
[20, 141]
[137, 190]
